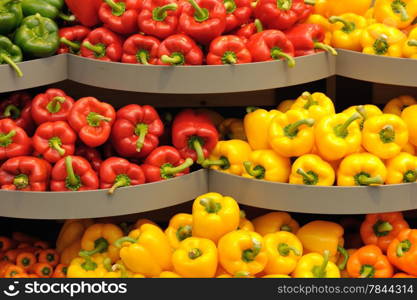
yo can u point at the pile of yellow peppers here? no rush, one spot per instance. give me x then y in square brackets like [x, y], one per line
[388, 28]
[304, 141]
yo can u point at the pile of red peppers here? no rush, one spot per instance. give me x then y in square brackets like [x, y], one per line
[192, 32]
[53, 143]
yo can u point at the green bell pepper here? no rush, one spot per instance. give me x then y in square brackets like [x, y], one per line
[10, 54]
[37, 36]
[46, 8]
[10, 15]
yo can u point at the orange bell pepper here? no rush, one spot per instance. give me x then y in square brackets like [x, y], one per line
[369, 262]
[402, 252]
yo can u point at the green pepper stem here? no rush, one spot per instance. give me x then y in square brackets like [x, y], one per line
[194, 253]
[94, 119]
[142, 57]
[365, 180]
[286, 228]
[100, 245]
[284, 4]
[277, 53]
[196, 144]
[250, 254]
[347, 26]
[307, 177]
[284, 250]
[256, 173]
[6, 139]
[258, 25]
[362, 111]
[387, 134]
[121, 268]
[403, 246]
[141, 131]
[71, 177]
[11, 111]
[160, 13]
[97, 49]
[383, 227]
[12, 64]
[68, 18]
[121, 180]
[41, 25]
[230, 59]
[107, 264]
[345, 255]
[292, 129]
[55, 143]
[310, 2]
[367, 271]
[210, 205]
[201, 14]
[409, 176]
[241, 274]
[342, 129]
[412, 43]
[251, 109]
[229, 5]
[178, 169]
[310, 100]
[125, 239]
[398, 7]
[88, 264]
[330, 49]
[184, 232]
[74, 46]
[221, 162]
[21, 181]
[320, 271]
[173, 60]
[242, 214]
[54, 106]
[118, 8]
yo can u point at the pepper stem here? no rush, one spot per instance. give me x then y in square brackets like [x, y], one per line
[74, 46]
[341, 130]
[121, 180]
[310, 2]
[258, 172]
[94, 119]
[196, 144]
[367, 271]
[201, 14]
[184, 232]
[291, 130]
[306, 177]
[310, 100]
[11, 111]
[21, 181]
[72, 179]
[347, 26]
[141, 131]
[68, 18]
[54, 106]
[399, 7]
[250, 254]
[174, 59]
[222, 162]
[142, 57]
[194, 253]
[210, 205]
[12, 64]
[286, 228]
[251, 109]
[330, 49]
[362, 111]
[41, 25]
[284, 4]
[88, 264]
[160, 13]
[168, 170]
[258, 25]
[382, 228]
[56, 143]
[412, 43]
[387, 134]
[345, 255]
[100, 245]
[320, 271]
[403, 246]
[284, 250]
[118, 8]
[6, 139]
[229, 58]
[125, 239]
[409, 176]
[99, 50]
[366, 180]
[277, 53]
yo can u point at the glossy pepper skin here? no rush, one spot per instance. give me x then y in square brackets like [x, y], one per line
[384, 135]
[396, 13]
[246, 31]
[86, 267]
[92, 120]
[116, 172]
[256, 124]
[323, 22]
[214, 215]
[195, 258]
[310, 169]
[267, 165]
[159, 18]
[18, 107]
[140, 49]
[136, 131]
[37, 36]
[86, 11]
[271, 45]
[317, 105]
[366, 111]
[71, 38]
[71, 231]
[90, 154]
[337, 7]
[242, 251]
[179, 228]
[165, 162]
[409, 48]
[347, 32]
[54, 140]
[308, 39]
[380, 39]
[361, 169]
[11, 15]
[228, 156]
[402, 251]
[315, 265]
[51, 106]
[24, 173]
[238, 12]
[291, 133]
[10, 54]
[13, 140]
[396, 105]
[401, 168]
[228, 49]
[369, 262]
[120, 16]
[381, 229]
[73, 173]
[102, 44]
[194, 135]
[409, 117]
[179, 49]
[275, 221]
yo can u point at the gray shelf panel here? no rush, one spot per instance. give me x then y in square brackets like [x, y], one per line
[314, 199]
[93, 204]
[199, 79]
[36, 73]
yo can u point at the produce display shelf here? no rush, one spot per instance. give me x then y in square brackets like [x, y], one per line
[315, 199]
[93, 204]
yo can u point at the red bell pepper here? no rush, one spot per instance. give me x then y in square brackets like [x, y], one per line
[203, 20]
[165, 162]
[71, 38]
[120, 15]
[54, 140]
[13, 140]
[228, 49]
[159, 18]
[179, 49]
[90, 154]
[92, 120]
[283, 14]
[136, 130]
[140, 49]
[24, 173]
[246, 31]
[73, 173]
[102, 44]
[86, 11]
[194, 135]
[271, 45]
[53, 105]
[18, 107]
[308, 39]
[116, 172]
[238, 12]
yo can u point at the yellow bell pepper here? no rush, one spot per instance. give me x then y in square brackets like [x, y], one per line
[409, 116]
[242, 251]
[228, 157]
[319, 236]
[267, 165]
[87, 267]
[99, 238]
[214, 216]
[310, 169]
[284, 250]
[276, 276]
[401, 168]
[410, 45]
[325, 24]
[285, 105]
[381, 39]
[195, 258]
[232, 129]
[347, 31]
[395, 13]
[409, 149]
[317, 105]
[337, 136]
[291, 133]
[256, 123]
[361, 169]
[168, 274]
[140, 222]
[329, 8]
[71, 252]
[245, 224]
[315, 265]
[275, 221]
[366, 111]
[396, 105]
[179, 228]
[146, 251]
[369, 15]
[384, 135]
[71, 231]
